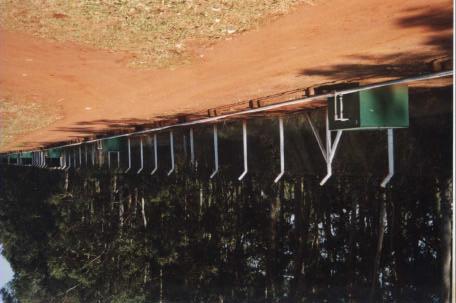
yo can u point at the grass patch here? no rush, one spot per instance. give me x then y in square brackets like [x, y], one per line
[157, 33]
[18, 118]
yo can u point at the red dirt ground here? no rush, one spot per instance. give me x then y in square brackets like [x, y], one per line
[333, 41]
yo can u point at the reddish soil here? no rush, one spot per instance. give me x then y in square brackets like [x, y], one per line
[332, 41]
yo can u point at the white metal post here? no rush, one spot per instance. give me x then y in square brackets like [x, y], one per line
[129, 155]
[85, 154]
[80, 156]
[244, 143]
[171, 145]
[317, 136]
[328, 150]
[155, 155]
[44, 159]
[390, 158]
[93, 155]
[63, 159]
[331, 148]
[99, 152]
[282, 151]
[192, 149]
[142, 154]
[216, 159]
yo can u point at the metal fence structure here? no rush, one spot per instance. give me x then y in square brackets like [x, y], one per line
[69, 156]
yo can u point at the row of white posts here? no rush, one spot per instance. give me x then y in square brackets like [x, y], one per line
[328, 150]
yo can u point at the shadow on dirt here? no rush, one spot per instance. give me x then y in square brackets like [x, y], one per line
[436, 20]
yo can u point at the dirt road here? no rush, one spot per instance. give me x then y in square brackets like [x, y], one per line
[330, 41]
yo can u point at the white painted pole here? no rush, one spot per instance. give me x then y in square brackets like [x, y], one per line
[244, 143]
[390, 158]
[216, 159]
[141, 155]
[171, 146]
[155, 155]
[129, 155]
[192, 148]
[282, 151]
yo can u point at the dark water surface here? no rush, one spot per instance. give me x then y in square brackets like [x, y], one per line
[96, 235]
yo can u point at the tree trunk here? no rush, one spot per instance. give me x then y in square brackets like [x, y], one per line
[66, 181]
[352, 247]
[378, 252]
[143, 212]
[161, 284]
[302, 230]
[271, 274]
[121, 212]
[446, 198]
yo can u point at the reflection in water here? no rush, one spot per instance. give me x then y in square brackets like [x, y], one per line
[94, 235]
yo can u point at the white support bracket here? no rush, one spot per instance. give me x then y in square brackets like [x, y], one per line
[74, 159]
[93, 155]
[80, 156]
[244, 144]
[331, 147]
[61, 162]
[85, 155]
[129, 155]
[390, 135]
[155, 155]
[141, 155]
[171, 147]
[44, 160]
[282, 151]
[99, 152]
[192, 148]
[216, 157]
[63, 166]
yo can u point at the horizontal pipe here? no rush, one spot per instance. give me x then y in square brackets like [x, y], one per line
[270, 107]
